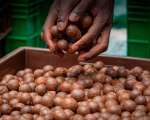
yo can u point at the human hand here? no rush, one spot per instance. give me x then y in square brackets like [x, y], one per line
[60, 14]
[50, 21]
[100, 30]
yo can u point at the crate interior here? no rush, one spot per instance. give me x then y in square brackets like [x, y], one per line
[37, 58]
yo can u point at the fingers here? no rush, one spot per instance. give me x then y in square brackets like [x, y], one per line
[50, 21]
[80, 10]
[52, 15]
[92, 33]
[100, 47]
[46, 36]
[65, 9]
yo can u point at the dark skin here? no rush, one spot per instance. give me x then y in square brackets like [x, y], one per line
[63, 11]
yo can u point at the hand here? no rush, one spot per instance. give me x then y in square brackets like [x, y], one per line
[72, 10]
[100, 30]
[50, 21]
[60, 13]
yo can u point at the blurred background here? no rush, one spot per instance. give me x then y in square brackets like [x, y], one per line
[118, 36]
[21, 22]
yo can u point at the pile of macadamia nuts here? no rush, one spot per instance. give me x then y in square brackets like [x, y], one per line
[72, 33]
[92, 91]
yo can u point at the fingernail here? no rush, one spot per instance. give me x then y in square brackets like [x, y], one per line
[73, 49]
[60, 26]
[83, 57]
[74, 17]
